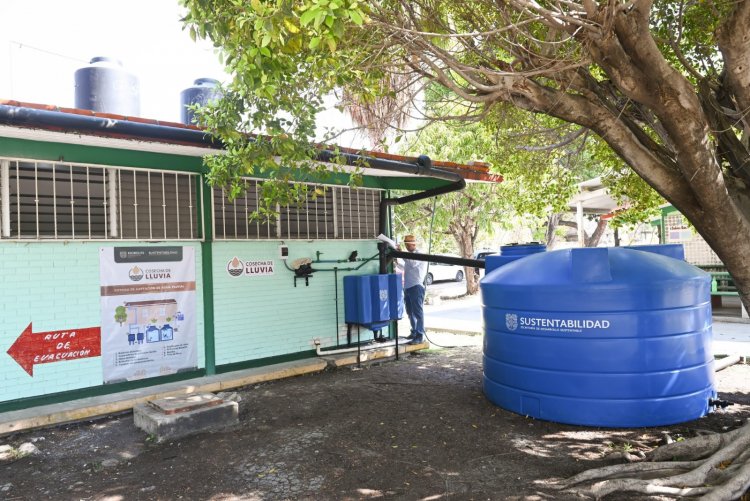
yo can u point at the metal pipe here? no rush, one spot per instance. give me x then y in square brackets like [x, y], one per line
[425, 167]
[458, 183]
[21, 116]
[435, 258]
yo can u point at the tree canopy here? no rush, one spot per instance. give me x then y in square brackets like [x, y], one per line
[665, 84]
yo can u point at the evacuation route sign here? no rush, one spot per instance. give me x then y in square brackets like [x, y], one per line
[32, 348]
[148, 311]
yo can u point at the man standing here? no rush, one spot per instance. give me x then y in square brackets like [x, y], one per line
[414, 289]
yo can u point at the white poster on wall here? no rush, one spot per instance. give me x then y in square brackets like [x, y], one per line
[148, 311]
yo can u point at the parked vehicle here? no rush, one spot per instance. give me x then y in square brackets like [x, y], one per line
[479, 272]
[440, 271]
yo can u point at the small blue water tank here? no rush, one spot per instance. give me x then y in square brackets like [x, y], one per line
[373, 300]
[676, 251]
[105, 86]
[509, 253]
[599, 337]
[203, 91]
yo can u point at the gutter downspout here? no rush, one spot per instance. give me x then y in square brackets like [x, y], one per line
[423, 167]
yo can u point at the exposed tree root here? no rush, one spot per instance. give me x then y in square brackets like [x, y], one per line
[715, 467]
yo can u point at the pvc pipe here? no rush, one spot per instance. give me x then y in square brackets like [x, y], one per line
[725, 362]
[347, 350]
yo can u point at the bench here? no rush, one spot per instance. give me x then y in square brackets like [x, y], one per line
[722, 284]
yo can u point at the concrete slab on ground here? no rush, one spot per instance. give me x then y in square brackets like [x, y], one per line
[175, 417]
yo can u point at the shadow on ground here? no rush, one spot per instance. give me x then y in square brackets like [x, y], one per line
[417, 428]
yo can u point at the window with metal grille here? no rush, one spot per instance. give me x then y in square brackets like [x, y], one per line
[330, 212]
[52, 200]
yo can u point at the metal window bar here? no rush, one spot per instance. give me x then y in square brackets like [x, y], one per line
[335, 214]
[192, 198]
[150, 214]
[36, 197]
[359, 220]
[177, 202]
[18, 203]
[325, 216]
[54, 199]
[88, 208]
[234, 210]
[72, 204]
[248, 234]
[288, 227]
[366, 206]
[257, 207]
[349, 215]
[88, 202]
[317, 231]
[350, 218]
[223, 214]
[164, 205]
[5, 197]
[114, 207]
[104, 198]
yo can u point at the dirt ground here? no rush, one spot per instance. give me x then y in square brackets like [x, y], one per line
[417, 428]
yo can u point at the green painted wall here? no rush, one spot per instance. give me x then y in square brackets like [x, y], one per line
[264, 316]
[55, 286]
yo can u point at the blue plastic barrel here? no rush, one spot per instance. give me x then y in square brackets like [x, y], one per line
[510, 253]
[600, 337]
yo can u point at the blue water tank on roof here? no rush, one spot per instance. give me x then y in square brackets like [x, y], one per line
[510, 253]
[202, 92]
[105, 86]
[600, 337]
[373, 300]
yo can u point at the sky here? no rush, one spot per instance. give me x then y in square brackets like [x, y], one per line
[43, 43]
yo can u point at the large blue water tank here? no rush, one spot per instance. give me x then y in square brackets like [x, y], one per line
[510, 253]
[105, 86]
[599, 337]
[203, 91]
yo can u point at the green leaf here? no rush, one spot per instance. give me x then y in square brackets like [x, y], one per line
[314, 42]
[356, 17]
[290, 26]
[308, 17]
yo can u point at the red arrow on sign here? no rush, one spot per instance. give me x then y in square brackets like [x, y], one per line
[32, 348]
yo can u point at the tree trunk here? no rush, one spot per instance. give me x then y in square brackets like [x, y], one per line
[716, 467]
[550, 235]
[465, 234]
[601, 227]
